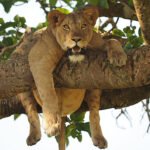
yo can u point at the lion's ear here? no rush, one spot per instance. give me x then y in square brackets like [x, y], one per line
[55, 17]
[91, 13]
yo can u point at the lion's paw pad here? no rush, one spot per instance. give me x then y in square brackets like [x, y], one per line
[52, 129]
[100, 142]
[33, 139]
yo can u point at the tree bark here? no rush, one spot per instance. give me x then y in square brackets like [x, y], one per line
[94, 72]
[121, 9]
[116, 98]
[143, 12]
[119, 84]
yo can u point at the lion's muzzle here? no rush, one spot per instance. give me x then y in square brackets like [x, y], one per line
[76, 54]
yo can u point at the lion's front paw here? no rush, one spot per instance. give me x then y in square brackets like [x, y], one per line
[52, 124]
[100, 142]
[33, 138]
[117, 58]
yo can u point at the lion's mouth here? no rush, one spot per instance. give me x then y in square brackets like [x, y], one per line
[76, 54]
[76, 49]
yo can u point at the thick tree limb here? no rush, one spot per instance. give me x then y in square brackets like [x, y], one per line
[117, 98]
[143, 11]
[96, 72]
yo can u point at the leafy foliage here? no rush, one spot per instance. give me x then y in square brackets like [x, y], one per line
[129, 33]
[75, 126]
[7, 4]
[11, 32]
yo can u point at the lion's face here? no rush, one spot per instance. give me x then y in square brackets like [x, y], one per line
[73, 32]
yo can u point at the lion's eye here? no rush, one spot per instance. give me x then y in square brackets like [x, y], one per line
[66, 27]
[83, 26]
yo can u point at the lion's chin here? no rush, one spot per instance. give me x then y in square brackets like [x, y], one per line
[76, 58]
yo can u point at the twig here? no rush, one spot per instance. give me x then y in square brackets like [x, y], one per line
[62, 145]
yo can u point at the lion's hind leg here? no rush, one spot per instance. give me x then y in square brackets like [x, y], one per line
[29, 105]
[93, 101]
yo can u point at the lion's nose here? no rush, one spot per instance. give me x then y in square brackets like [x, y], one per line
[76, 39]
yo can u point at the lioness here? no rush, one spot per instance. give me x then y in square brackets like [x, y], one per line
[74, 33]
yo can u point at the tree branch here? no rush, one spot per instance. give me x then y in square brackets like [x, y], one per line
[118, 10]
[96, 72]
[143, 11]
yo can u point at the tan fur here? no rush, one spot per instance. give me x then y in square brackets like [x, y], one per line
[30, 108]
[73, 31]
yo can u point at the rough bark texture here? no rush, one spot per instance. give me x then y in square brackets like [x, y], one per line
[96, 72]
[142, 8]
[117, 98]
[121, 9]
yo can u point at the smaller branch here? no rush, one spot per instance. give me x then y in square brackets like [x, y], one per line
[106, 23]
[114, 25]
[62, 142]
[10, 48]
[147, 111]
[43, 6]
[123, 112]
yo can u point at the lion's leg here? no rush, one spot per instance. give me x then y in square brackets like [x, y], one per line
[93, 100]
[115, 52]
[30, 107]
[42, 73]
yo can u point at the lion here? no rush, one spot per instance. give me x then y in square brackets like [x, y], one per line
[72, 33]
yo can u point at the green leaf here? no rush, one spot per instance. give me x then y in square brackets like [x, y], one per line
[128, 46]
[104, 3]
[11, 32]
[118, 32]
[20, 21]
[52, 2]
[16, 116]
[130, 2]
[16, 18]
[8, 41]
[41, 25]
[80, 3]
[7, 4]
[77, 117]
[7, 25]
[67, 141]
[79, 137]
[93, 2]
[63, 10]
[1, 21]
[2, 32]
[84, 127]
[69, 129]
[140, 31]
[129, 31]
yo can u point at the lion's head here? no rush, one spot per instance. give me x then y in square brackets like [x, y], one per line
[73, 31]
